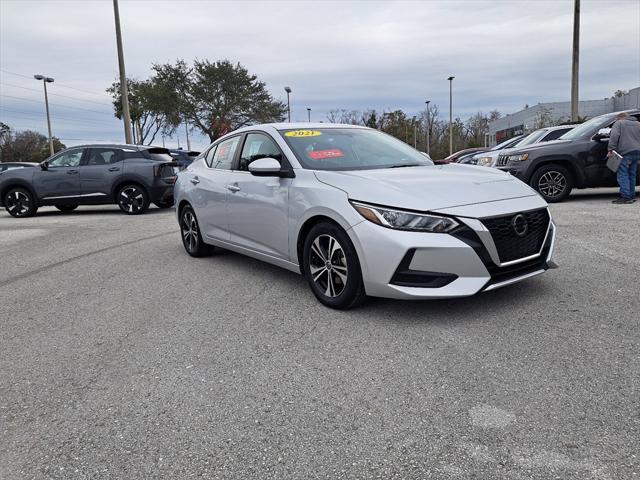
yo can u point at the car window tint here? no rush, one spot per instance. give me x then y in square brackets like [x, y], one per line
[223, 158]
[555, 134]
[208, 158]
[103, 156]
[258, 146]
[70, 158]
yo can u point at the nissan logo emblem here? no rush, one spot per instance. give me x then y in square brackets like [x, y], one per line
[519, 225]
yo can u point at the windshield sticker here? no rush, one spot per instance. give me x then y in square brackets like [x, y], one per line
[302, 133]
[323, 154]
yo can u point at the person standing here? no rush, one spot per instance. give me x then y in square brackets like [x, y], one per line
[625, 139]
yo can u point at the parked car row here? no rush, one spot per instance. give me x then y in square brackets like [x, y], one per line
[131, 176]
[555, 160]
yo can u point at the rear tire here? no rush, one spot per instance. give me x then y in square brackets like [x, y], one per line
[554, 182]
[132, 199]
[332, 268]
[66, 208]
[190, 233]
[20, 203]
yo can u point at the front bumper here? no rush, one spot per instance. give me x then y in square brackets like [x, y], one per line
[440, 265]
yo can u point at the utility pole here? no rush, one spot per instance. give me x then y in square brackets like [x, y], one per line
[46, 80]
[288, 90]
[415, 133]
[309, 115]
[186, 130]
[451, 114]
[428, 125]
[575, 61]
[124, 90]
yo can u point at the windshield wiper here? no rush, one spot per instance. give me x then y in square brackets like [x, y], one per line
[407, 165]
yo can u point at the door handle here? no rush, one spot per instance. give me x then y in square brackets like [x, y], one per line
[114, 169]
[72, 172]
[195, 180]
[233, 188]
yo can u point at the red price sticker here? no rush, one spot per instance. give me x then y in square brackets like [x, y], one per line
[323, 154]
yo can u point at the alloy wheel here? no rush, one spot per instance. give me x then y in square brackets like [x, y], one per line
[328, 265]
[552, 184]
[18, 203]
[189, 231]
[131, 199]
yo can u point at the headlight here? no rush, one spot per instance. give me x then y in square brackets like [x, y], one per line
[401, 220]
[521, 157]
[485, 161]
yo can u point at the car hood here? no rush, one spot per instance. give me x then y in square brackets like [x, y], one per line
[540, 146]
[427, 188]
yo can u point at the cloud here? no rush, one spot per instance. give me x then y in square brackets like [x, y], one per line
[352, 55]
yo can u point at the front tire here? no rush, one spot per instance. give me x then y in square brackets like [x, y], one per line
[20, 203]
[191, 236]
[132, 199]
[332, 268]
[553, 182]
[66, 208]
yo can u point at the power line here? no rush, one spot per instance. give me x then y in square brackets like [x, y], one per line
[56, 94]
[58, 84]
[37, 115]
[55, 104]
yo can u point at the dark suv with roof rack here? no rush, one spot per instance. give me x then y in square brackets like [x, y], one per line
[578, 159]
[131, 176]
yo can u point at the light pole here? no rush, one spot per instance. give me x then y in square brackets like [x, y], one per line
[451, 114]
[415, 133]
[428, 124]
[288, 90]
[309, 115]
[46, 80]
[575, 61]
[124, 90]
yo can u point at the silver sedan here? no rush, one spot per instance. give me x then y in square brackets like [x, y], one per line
[360, 213]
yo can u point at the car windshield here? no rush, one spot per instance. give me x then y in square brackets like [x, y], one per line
[512, 141]
[585, 129]
[533, 137]
[350, 149]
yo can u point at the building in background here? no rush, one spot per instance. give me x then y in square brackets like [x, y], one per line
[555, 113]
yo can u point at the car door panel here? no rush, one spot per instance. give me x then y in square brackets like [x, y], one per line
[258, 213]
[100, 171]
[258, 206]
[60, 179]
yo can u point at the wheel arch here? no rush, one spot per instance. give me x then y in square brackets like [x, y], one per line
[18, 184]
[309, 221]
[576, 174]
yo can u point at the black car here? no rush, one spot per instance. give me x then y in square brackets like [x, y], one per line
[183, 157]
[578, 159]
[130, 175]
[4, 166]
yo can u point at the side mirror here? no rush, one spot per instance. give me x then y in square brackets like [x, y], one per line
[266, 167]
[602, 135]
[44, 165]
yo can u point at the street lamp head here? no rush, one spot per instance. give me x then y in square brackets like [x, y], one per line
[428, 102]
[308, 109]
[48, 80]
[39, 77]
[451, 78]
[287, 89]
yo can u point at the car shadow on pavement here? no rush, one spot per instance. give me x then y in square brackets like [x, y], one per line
[81, 212]
[452, 310]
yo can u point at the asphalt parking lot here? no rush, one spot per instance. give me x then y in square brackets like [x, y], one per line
[122, 357]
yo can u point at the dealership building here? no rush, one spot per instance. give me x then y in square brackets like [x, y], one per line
[526, 120]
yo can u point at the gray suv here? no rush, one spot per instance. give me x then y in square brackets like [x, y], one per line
[130, 175]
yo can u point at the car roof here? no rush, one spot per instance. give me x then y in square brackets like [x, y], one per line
[305, 125]
[116, 145]
[26, 164]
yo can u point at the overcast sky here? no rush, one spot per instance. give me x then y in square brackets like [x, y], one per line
[333, 54]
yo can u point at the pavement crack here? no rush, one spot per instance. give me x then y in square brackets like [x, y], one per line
[78, 257]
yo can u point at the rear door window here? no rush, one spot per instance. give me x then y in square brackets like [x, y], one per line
[555, 134]
[225, 152]
[104, 156]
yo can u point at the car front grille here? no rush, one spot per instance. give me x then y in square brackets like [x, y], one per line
[512, 240]
[502, 160]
